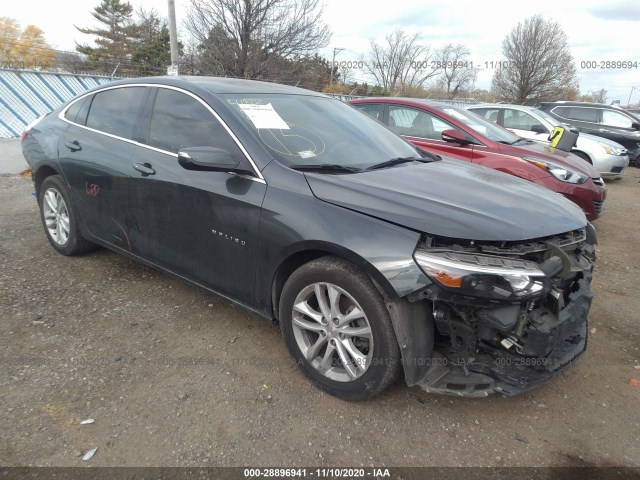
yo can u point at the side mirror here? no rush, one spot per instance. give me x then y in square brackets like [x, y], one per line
[539, 129]
[455, 136]
[207, 159]
[635, 125]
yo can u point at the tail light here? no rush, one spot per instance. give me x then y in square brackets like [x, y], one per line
[28, 128]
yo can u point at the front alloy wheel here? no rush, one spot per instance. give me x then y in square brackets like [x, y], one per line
[337, 328]
[332, 332]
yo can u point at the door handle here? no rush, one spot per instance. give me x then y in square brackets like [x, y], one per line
[144, 168]
[74, 146]
[603, 130]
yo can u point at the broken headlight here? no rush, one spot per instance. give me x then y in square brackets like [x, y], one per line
[483, 276]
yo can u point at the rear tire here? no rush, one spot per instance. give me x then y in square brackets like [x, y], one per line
[338, 330]
[59, 218]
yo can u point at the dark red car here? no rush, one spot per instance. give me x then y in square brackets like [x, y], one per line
[461, 134]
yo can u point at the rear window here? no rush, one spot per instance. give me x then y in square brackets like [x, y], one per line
[78, 110]
[115, 111]
[583, 114]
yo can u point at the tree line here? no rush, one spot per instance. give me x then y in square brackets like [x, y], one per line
[279, 40]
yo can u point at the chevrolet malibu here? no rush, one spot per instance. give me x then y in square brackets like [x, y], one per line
[375, 258]
[460, 134]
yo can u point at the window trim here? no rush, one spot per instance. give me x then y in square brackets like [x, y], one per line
[61, 116]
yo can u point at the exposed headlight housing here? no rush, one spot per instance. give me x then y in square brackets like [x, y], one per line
[561, 173]
[484, 276]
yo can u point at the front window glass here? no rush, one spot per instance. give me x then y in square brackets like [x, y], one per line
[480, 125]
[180, 121]
[519, 120]
[615, 119]
[416, 123]
[308, 130]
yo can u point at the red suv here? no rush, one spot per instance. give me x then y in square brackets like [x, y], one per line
[461, 134]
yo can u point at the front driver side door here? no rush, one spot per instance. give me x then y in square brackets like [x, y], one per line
[202, 225]
[424, 130]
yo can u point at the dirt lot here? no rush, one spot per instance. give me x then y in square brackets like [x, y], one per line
[176, 377]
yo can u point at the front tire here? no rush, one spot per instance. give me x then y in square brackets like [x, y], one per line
[338, 330]
[59, 218]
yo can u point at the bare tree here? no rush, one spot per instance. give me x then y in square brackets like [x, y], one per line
[400, 62]
[599, 96]
[244, 37]
[538, 66]
[457, 72]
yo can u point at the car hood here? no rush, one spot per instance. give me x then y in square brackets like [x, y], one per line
[452, 199]
[559, 157]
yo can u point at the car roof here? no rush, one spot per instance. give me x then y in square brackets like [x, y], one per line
[405, 100]
[500, 105]
[220, 85]
[581, 104]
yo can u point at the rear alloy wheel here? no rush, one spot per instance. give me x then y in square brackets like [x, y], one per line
[59, 218]
[337, 328]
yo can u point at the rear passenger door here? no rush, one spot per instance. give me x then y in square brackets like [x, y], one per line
[202, 225]
[96, 154]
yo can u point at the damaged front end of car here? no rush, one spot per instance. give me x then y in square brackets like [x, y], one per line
[507, 315]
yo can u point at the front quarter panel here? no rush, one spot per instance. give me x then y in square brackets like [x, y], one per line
[294, 221]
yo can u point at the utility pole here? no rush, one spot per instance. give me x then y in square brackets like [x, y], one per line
[632, 89]
[173, 39]
[333, 62]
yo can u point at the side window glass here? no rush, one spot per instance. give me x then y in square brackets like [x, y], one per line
[561, 111]
[115, 111]
[77, 112]
[416, 123]
[488, 113]
[615, 119]
[518, 120]
[180, 121]
[372, 109]
[583, 114]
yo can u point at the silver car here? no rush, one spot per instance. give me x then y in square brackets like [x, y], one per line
[609, 158]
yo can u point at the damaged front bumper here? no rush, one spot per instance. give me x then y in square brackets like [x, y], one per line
[483, 347]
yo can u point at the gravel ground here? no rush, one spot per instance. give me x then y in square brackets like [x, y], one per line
[174, 376]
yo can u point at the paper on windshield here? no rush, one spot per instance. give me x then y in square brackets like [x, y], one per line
[263, 116]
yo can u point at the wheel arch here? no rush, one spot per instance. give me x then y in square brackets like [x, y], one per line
[582, 154]
[305, 252]
[41, 174]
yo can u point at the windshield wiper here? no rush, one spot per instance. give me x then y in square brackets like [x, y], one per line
[326, 167]
[398, 161]
[520, 140]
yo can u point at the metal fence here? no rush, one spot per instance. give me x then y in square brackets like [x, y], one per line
[27, 94]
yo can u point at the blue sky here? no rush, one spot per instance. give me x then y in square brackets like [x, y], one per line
[597, 30]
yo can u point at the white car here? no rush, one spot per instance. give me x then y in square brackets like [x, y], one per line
[609, 158]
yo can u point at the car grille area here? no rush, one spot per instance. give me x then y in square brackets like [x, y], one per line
[599, 206]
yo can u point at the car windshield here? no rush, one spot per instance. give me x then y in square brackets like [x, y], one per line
[306, 131]
[480, 125]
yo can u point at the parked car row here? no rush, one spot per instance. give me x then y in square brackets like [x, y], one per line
[608, 157]
[457, 133]
[376, 257]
